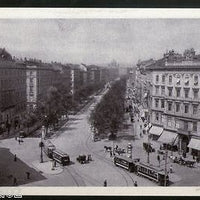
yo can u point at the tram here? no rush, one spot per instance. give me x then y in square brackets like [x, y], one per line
[48, 148]
[141, 169]
[152, 173]
[126, 163]
[61, 157]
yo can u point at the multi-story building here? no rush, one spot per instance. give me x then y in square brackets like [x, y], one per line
[175, 102]
[12, 88]
[39, 77]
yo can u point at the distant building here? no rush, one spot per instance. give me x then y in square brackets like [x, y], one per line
[175, 101]
[39, 78]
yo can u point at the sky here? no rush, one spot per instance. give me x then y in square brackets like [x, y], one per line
[98, 41]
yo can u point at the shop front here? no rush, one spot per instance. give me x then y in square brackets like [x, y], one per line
[155, 132]
[194, 145]
[169, 140]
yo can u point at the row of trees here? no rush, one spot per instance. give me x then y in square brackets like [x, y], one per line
[56, 103]
[107, 117]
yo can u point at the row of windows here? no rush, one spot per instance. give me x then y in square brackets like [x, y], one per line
[177, 91]
[17, 72]
[177, 106]
[171, 121]
[178, 79]
[10, 83]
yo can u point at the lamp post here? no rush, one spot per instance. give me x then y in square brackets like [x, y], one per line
[41, 153]
[166, 152]
[41, 144]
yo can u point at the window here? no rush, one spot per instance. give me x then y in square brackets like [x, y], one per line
[170, 91]
[163, 78]
[186, 108]
[196, 80]
[196, 93]
[185, 125]
[177, 107]
[162, 103]
[177, 125]
[157, 78]
[178, 82]
[169, 121]
[157, 89]
[156, 103]
[157, 116]
[186, 93]
[195, 126]
[187, 80]
[162, 118]
[195, 109]
[169, 106]
[170, 79]
[178, 92]
[163, 90]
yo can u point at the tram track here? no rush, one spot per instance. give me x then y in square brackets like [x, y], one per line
[73, 177]
[110, 163]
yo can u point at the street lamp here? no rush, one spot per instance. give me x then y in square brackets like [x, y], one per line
[41, 144]
[166, 154]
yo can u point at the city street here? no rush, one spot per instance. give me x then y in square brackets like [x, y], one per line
[75, 138]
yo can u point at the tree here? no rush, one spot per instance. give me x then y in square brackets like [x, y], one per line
[107, 117]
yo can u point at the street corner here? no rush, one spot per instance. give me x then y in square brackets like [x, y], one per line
[47, 167]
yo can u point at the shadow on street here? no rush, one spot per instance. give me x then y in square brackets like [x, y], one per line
[10, 170]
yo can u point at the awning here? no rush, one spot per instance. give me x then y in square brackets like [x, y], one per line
[194, 144]
[168, 137]
[156, 130]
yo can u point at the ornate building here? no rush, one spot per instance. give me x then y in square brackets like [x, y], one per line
[175, 102]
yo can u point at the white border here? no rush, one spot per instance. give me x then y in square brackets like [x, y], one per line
[106, 13]
[47, 13]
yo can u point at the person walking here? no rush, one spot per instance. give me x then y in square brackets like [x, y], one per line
[14, 181]
[28, 175]
[171, 169]
[15, 158]
[105, 183]
[110, 153]
[158, 158]
[135, 184]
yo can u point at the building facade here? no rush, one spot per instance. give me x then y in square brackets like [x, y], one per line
[174, 99]
[12, 89]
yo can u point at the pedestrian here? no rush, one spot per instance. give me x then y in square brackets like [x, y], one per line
[105, 183]
[110, 153]
[158, 158]
[28, 175]
[14, 181]
[19, 140]
[171, 169]
[135, 184]
[15, 158]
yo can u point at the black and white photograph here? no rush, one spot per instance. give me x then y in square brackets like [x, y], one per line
[100, 102]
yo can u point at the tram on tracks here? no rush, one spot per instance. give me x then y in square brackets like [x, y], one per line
[48, 148]
[142, 169]
[61, 157]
